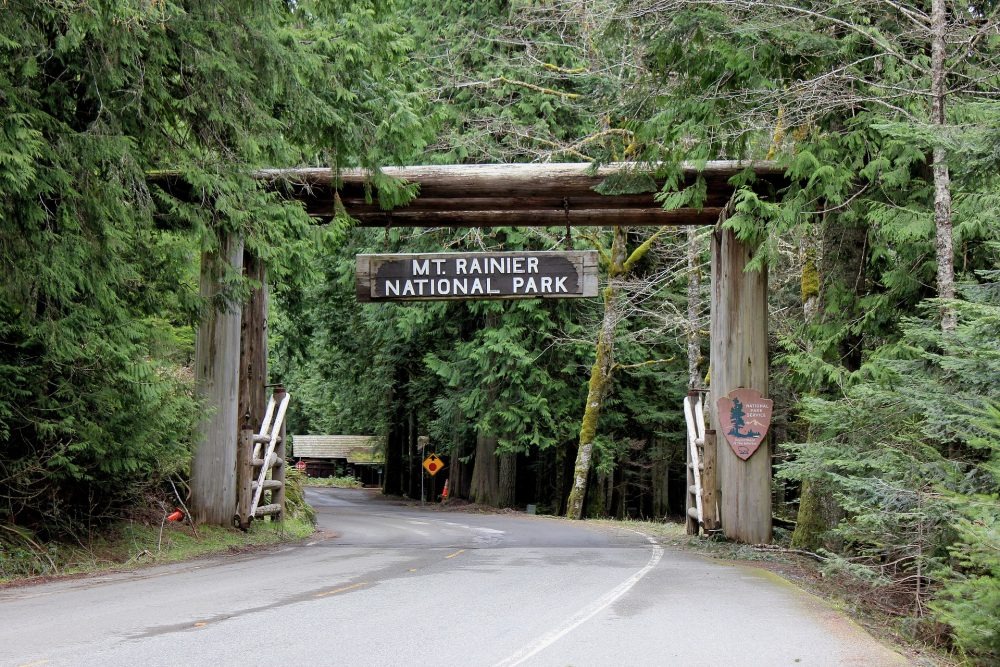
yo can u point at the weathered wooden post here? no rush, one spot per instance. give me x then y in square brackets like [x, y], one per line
[253, 386]
[217, 375]
[253, 345]
[244, 478]
[709, 483]
[278, 472]
[739, 360]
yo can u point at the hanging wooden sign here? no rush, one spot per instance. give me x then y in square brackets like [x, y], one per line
[745, 416]
[486, 275]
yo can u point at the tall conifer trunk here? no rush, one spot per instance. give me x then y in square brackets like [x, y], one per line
[693, 309]
[837, 259]
[600, 378]
[485, 489]
[942, 180]
[507, 486]
[810, 525]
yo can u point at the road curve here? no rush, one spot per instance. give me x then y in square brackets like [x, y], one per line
[404, 586]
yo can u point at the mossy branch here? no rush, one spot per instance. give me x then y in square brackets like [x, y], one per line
[564, 70]
[614, 131]
[651, 362]
[559, 147]
[810, 276]
[641, 251]
[779, 134]
[539, 89]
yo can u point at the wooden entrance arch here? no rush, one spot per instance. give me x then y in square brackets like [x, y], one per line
[232, 343]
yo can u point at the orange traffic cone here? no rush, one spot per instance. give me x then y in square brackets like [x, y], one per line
[178, 515]
[444, 493]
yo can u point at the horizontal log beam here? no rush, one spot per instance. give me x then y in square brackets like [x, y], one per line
[265, 510]
[501, 194]
[463, 177]
[555, 201]
[273, 461]
[323, 205]
[635, 217]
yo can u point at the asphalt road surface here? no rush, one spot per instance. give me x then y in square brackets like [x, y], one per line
[398, 585]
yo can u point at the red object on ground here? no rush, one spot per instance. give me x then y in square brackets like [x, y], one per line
[178, 515]
[444, 493]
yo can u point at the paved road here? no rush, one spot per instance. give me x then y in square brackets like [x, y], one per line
[401, 586]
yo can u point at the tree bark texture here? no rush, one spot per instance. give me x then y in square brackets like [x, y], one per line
[217, 380]
[253, 346]
[507, 486]
[693, 309]
[943, 245]
[392, 480]
[810, 281]
[458, 472]
[485, 488]
[600, 378]
[661, 481]
[807, 528]
[414, 460]
[739, 359]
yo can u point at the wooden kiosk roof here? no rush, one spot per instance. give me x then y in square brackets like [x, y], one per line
[537, 195]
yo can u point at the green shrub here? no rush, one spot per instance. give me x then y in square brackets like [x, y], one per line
[295, 498]
[970, 602]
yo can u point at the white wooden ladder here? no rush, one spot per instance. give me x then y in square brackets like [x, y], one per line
[702, 505]
[261, 458]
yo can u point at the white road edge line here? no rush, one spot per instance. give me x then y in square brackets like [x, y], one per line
[587, 613]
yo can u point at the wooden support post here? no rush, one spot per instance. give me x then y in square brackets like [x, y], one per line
[278, 471]
[244, 477]
[709, 482]
[217, 375]
[253, 346]
[739, 359]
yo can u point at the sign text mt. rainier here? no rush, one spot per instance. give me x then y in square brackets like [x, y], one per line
[487, 275]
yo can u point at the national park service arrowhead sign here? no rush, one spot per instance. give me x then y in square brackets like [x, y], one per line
[744, 417]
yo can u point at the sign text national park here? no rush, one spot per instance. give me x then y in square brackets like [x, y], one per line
[488, 275]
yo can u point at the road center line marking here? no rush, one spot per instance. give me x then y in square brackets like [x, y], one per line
[35, 663]
[454, 554]
[585, 614]
[341, 590]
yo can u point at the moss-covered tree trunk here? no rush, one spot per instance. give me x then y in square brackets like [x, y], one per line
[809, 524]
[833, 265]
[600, 377]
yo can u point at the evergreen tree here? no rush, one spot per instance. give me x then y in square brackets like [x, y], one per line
[100, 99]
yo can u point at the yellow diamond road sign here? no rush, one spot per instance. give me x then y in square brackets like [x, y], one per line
[433, 464]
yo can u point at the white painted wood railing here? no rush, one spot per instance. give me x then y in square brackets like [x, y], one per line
[694, 415]
[270, 431]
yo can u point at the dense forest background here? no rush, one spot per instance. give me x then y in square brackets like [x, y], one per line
[882, 255]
